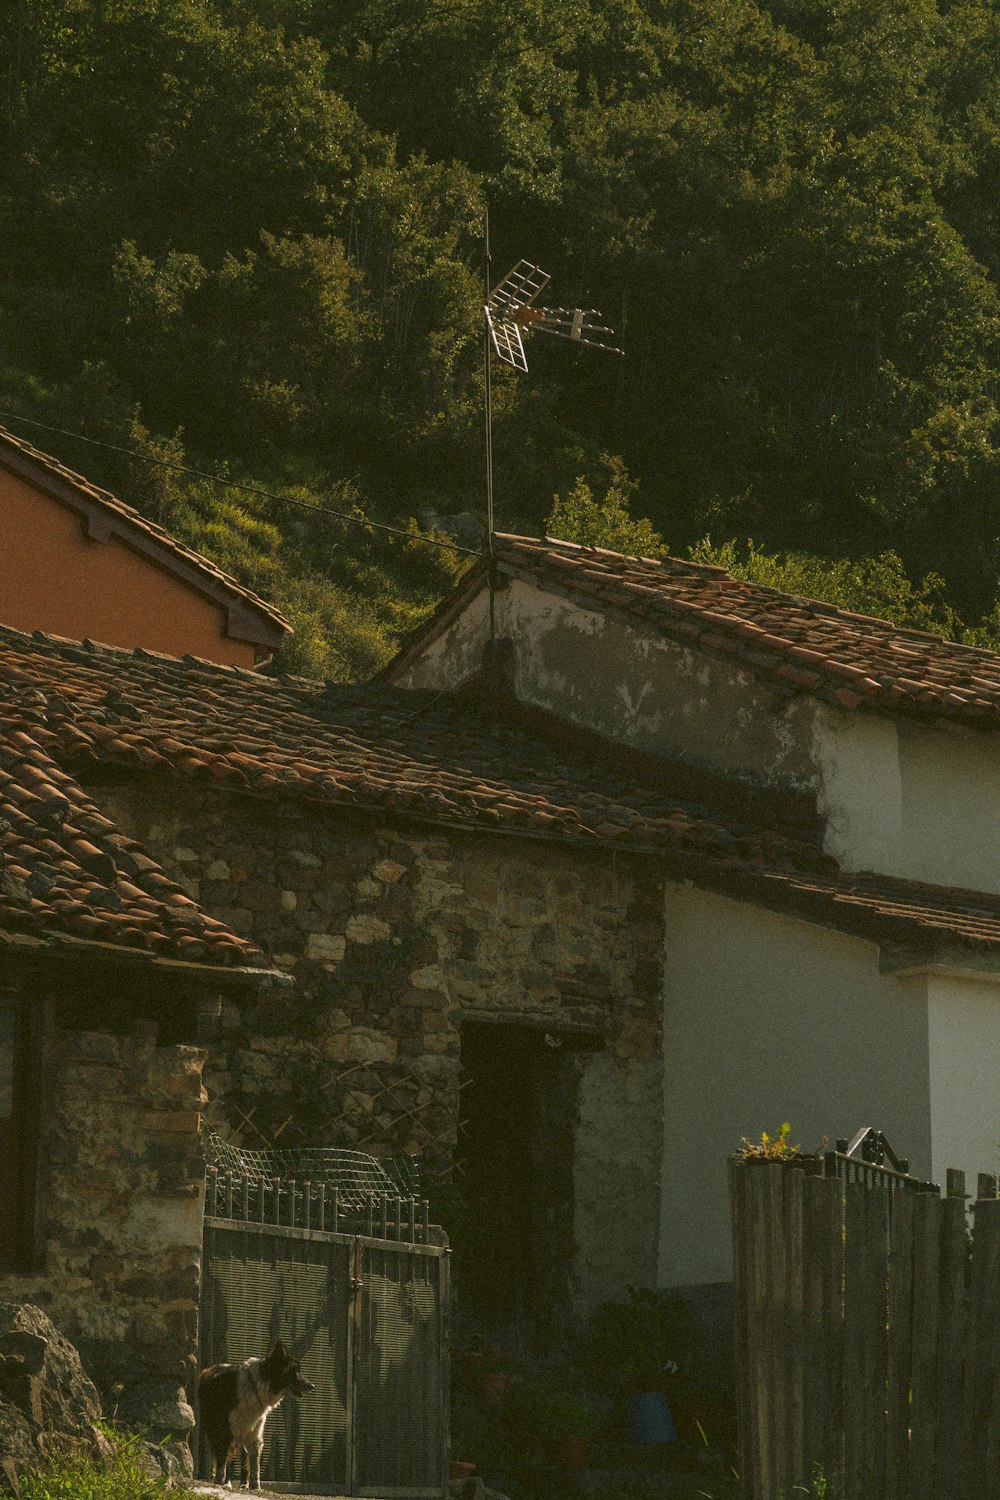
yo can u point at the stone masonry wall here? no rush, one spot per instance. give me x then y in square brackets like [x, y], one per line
[396, 936]
[120, 1202]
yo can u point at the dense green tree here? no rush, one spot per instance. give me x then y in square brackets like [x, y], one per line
[247, 236]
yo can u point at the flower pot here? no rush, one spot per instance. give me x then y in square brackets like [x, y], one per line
[648, 1419]
[571, 1452]
[459, 1469]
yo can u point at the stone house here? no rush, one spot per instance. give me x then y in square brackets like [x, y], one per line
[104, 965]
[80, 562]
[878, 746]
[453, 930]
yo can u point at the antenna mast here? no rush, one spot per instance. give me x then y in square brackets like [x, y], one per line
[510, 316]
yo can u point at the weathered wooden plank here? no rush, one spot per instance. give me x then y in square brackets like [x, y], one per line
[759, 1394]
[833, 1281]
[855, 1270]
[816, 1378]
[900, 1308]
[795, 1351]
[951, 1346]
[981, 1476]
[865, 1354]
[876, 1311]
[923, 1409]
[990, 1440]
[740, 1223]
[777, 1331]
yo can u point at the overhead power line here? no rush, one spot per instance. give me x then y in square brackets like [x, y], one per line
[246, 489]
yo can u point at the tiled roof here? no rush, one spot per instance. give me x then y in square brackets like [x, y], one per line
[65, 869]
[429, 756]
[30, 463]
[799, 645]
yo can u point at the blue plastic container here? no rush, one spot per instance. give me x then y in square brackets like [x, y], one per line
[648, 1419]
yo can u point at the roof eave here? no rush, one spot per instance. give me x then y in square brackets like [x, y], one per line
[65, 947]
[244, 620]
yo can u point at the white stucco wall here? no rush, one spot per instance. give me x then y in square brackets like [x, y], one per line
[963, 1018]
[769, 1019]
[909, 799]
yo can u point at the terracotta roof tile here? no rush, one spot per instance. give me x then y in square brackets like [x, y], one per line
[881, 666]
[24, 458]
[59, 879]
[383, 750]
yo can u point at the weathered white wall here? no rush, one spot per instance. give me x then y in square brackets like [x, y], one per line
[963, 1017]
[452, 657]
[769, 1019]
[899, 797]
[629, 684]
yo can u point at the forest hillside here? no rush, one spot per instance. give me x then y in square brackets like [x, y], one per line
[245, 238]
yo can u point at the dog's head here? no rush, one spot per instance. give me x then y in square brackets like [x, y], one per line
[282, 1372]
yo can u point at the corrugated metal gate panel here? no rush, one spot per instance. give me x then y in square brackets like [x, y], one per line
[265, 1282]
[367, 1318]
[400, 1368]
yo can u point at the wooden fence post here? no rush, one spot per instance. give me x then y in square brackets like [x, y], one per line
[982, 1406]
[900, 1306]
[951, 1342]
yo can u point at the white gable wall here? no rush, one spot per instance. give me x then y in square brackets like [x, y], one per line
[628, 684]
[765, 1019]
[898, 797]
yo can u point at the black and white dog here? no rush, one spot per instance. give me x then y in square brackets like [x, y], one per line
[236, 1401]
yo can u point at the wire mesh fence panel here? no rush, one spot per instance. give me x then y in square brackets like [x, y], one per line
[262, 1283]
[400, 1403]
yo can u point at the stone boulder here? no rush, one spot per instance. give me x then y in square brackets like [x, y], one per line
[49, 1405]
[41, 1374]
[17, 1446]
[158, 1405]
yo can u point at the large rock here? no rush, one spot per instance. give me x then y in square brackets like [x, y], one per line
[17, 1447]
[41, 1373]
[158, 1405]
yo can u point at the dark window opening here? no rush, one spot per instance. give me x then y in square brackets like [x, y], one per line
[19, 1098]
[113, 1000]
[516, 1175]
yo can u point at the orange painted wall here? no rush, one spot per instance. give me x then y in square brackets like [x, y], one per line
[54, 577]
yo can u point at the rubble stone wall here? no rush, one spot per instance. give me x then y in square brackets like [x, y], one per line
[119, 1205]
[395, 936]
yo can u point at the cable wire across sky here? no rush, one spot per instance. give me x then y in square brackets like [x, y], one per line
[246, 489]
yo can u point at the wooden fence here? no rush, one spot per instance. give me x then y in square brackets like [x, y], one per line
[867, 1335]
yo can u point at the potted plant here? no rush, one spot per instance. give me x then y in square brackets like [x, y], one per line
[631, 1349]
[552, 1422]
[479, 1438]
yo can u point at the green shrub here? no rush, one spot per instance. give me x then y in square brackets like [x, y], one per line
[122, 1475]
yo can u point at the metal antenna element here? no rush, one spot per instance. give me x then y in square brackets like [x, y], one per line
[511, 314]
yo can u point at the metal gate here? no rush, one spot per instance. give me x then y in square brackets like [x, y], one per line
[360, 1296]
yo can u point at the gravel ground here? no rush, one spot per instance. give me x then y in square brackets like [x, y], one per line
[200, 1487]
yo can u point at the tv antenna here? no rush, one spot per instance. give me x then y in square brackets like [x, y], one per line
[511, 317]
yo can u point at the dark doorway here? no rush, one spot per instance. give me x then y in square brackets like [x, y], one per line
[516, 1174]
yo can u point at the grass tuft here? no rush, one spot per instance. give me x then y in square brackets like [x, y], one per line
[121, 1475]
